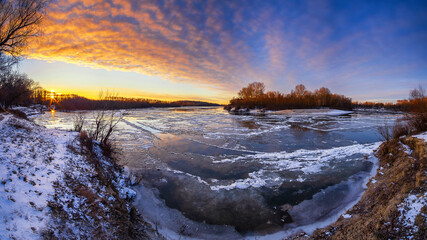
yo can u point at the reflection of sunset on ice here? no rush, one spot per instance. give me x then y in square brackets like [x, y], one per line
[53, 100]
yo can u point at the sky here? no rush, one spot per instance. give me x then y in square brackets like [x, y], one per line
[208, 50]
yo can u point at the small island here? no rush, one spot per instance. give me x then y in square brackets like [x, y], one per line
[254, 97]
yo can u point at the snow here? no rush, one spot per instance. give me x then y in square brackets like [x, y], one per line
[346, 215]
[410, 208]
[407, 149]
[421, 136]
[28, 168]
[252, 181]
[39, 171]
[31, 111]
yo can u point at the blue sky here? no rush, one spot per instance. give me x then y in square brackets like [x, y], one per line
[208, 50]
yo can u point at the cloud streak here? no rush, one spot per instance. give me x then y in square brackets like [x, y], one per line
[224, 45]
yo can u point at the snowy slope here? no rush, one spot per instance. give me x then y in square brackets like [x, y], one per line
[31, 159]
[51, 188]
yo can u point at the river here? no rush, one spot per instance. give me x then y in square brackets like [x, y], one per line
[207, 173]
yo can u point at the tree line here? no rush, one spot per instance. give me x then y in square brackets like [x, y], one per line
[254, 96]
[75, 102]
[19, 21]
[417, 102]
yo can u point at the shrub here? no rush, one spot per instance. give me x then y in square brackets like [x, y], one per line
[385, 132]
[399, 129]
[86, 141]
[104, 126]
[417, 122]
[78, 122]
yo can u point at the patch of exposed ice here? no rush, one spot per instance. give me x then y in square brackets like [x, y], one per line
[336, 112]
[172, 224]
[321, 155]
[244, 132]
[307, 161]
[237, 148]
[148, 128]
[142, 128]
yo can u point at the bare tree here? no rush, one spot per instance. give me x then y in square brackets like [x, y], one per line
[253, 90]
[105, 122]
[19, 20]
[78, 122]
[417, 93]
[15, 89]
[99, 125]
[385, 132]
[112, 122]
[6, 63]
[103, 127]
[300, 90]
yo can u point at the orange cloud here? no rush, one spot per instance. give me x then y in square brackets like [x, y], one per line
[223, 45]
[141, 37]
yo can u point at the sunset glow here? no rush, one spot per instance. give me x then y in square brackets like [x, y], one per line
[208, 50]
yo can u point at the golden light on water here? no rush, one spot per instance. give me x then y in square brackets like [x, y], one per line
[52, 113]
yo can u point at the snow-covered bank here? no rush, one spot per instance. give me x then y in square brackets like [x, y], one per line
[395, 204]
[30, 161]
[50, 187]
[31, 111]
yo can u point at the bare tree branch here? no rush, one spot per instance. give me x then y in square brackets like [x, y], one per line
[19, 20]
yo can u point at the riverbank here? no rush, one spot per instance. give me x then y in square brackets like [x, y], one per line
[53, 187]
[395, 204]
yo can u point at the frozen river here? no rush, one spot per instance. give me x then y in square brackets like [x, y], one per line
[253, 175]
